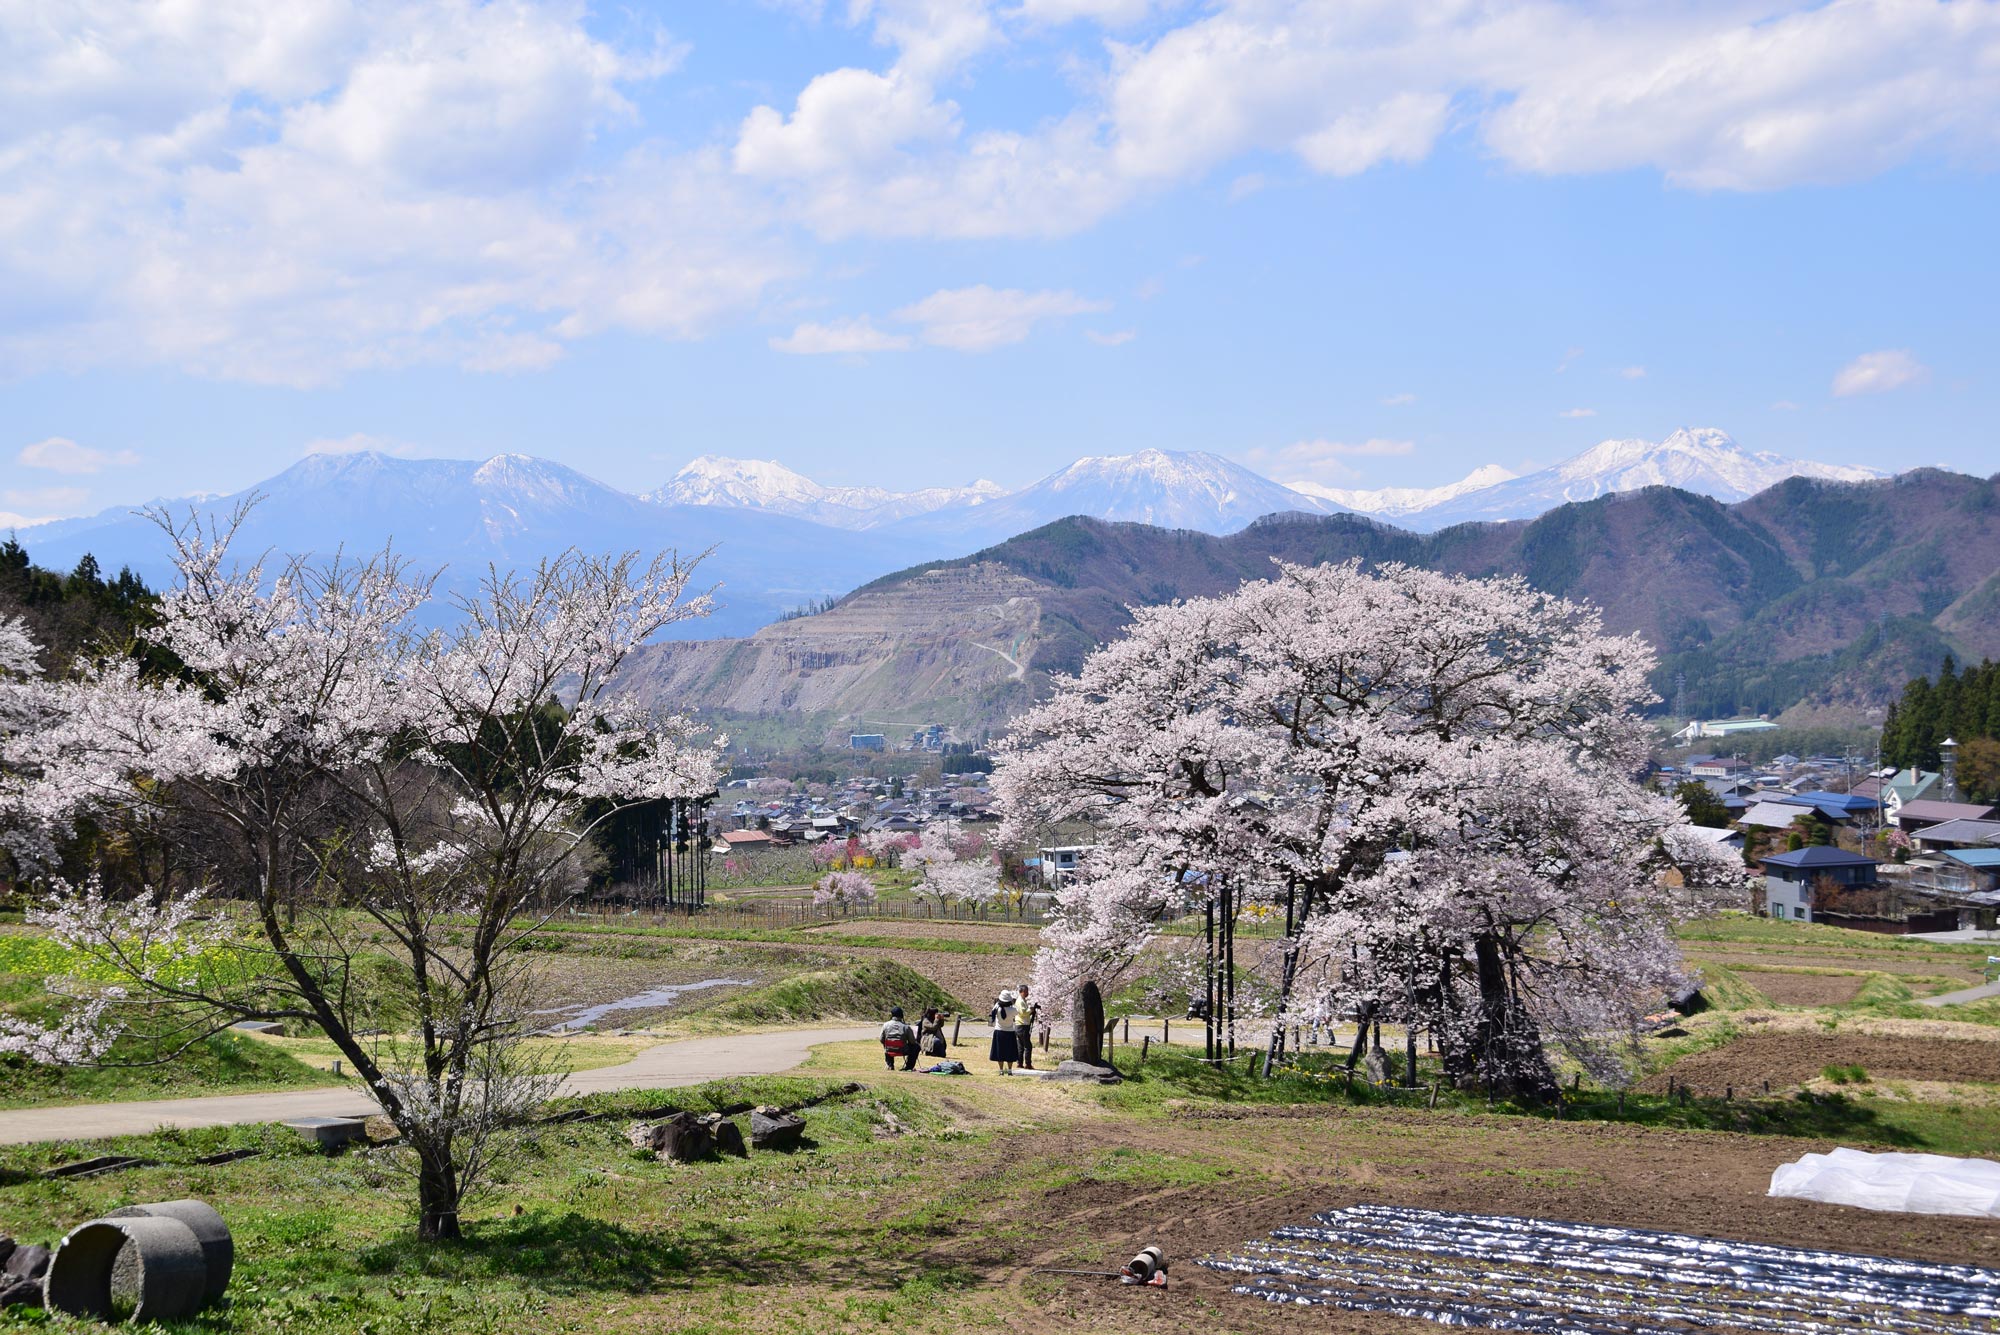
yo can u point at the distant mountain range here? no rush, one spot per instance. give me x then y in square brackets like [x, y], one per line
[1816, 591]
[782, 542]
[1211, 494]
[762, 484]
[510, 511]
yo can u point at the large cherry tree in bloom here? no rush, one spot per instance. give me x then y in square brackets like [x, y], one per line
[381, 813]
[1430, 778]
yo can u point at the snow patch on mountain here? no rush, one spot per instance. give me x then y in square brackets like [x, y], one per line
[1701, 460]
[1393, 501]
[765, 484]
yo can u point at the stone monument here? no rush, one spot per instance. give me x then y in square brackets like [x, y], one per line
[1086, 1056]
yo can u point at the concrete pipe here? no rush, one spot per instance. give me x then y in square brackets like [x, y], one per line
[216, 1245]
[137, 1269]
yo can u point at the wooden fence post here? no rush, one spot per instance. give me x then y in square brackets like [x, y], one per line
[956, 1021]
[1145, 1046]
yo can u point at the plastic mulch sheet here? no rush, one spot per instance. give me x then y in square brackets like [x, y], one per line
[1503, 1273]
[1907, 1183]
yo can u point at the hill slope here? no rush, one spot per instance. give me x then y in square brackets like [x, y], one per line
[1813, 590]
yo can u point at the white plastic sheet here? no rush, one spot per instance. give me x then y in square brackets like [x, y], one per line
[1904, 1183]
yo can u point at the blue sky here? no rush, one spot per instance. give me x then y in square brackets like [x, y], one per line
[915, 242]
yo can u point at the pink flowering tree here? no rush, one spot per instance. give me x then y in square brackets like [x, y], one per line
[844, 890]
[1429, 780]
[355, 786]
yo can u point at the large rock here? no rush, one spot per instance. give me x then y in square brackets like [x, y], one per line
[771, 1129]
[27, 1261]
[728, 1137]
[683, 1138]
[20, 1292]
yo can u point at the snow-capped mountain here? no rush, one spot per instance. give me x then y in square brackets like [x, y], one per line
[1390, 502]
[1700, 460]
[1167, 488]
[511, 510]
[764, 484]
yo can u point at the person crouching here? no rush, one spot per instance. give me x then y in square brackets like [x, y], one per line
[898, 1040]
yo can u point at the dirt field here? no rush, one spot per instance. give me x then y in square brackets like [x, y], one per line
[1804, 989]
[1747, 957]
[1790, 1059]
[1704, 1183]
[933, 929]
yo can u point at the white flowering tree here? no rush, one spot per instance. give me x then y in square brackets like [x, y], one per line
[386, 812]
[955, 866]
[1430, 779]
[844, 890]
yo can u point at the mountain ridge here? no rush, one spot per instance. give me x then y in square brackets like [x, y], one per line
[1813, 590]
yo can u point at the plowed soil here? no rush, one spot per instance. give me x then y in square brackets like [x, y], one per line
[1789, 1060]
[1804, 989]
[1705, 1183]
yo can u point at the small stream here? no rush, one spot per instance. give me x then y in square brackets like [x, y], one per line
[580, 1017]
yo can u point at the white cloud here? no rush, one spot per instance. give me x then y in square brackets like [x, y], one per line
[286, 193]
[1107, 13]
[1784, 406]
[1398, 400]
[977, 319]
[1880, 372]
[59, 454]
[290, 193]
[1323, 459]
[1114, 338]
[840, 336]
[1568, 360]
[46, 502]
[1577, 412]
[1633, 373]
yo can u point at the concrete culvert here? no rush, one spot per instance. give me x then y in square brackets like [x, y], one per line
[217, 1246]
[141, 1268]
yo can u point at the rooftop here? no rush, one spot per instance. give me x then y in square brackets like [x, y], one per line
[1819, 855]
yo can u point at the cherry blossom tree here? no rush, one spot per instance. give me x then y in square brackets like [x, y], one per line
[954, 864]
[387, 812]
[1431, 778]
[844, 890]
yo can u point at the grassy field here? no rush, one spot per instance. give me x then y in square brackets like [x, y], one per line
[933, 1204]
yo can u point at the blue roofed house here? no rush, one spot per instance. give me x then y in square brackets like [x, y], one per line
[1791, 878]
[1839, 808]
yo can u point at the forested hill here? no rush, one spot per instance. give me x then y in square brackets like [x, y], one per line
[67, 613]
[1831, 592]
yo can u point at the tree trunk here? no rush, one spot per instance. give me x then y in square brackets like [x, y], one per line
[437, 1196]
[1360, 1035]
[1508, 1046]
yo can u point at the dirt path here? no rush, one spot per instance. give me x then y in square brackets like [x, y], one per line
[689, 1062]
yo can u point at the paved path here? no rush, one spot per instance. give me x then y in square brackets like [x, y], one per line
[687, 1062]
[1979, 993]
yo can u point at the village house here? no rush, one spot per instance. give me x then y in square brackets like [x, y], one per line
[1790, 878]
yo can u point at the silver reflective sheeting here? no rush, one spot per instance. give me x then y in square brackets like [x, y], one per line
[1502, 1273]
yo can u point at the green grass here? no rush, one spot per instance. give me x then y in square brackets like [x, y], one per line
[863, 991]
[807, 937]
[221, 1064]
[575, 1221]
[1169, 1081]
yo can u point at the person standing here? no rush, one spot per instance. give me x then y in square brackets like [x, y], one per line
[1024, 1031]
[898, 1040]
[1005, 1016]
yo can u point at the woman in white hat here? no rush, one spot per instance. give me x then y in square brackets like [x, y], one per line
[1006, 1048]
